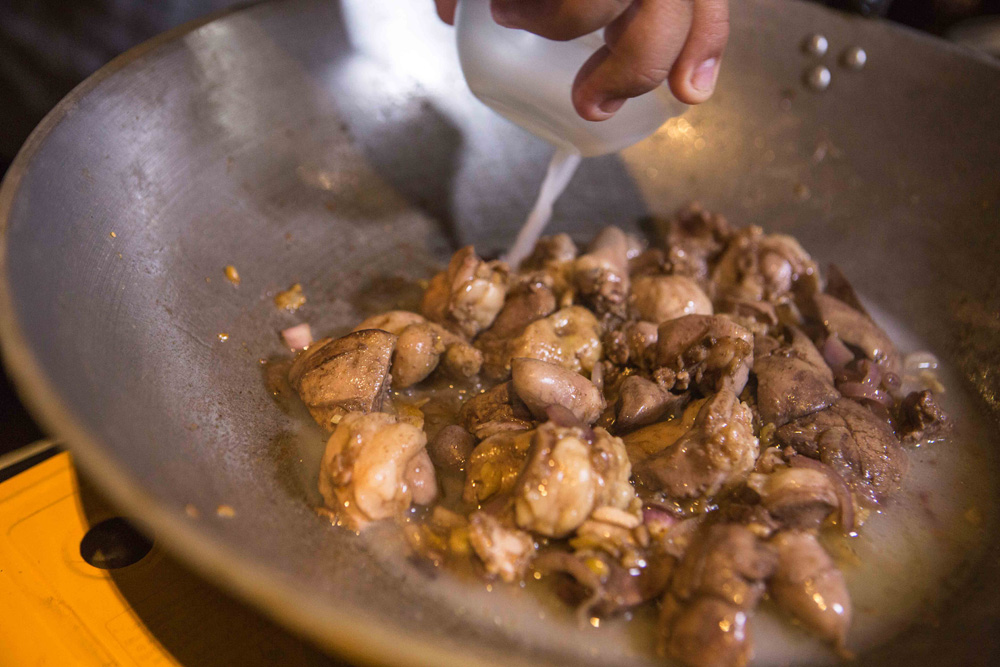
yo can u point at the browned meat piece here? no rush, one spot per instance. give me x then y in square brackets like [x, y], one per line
[708, 352]
[468, 295]
[921, 418]
[640, 338]
[859, 331]
[839, 287]
[807, 585]
[603, 585]
[498, 409]
[541, 384]
[525, 303]
[601, 275]
[451, 447]
[693, 240]
[505, 551]
[374, 467]
[854, 442]
[334, 377]
[570, 337]
[792, 381]
[642, 402]
[718, 451]
[461, 360]
[655, 438]
[797, 497]
[421, 346]
[570, 472]
[550, 250]
[760, 317]
[705, 616]
[649, 262]
[764, 267]
[495, 464]
[393, 321]
[657, 299]
[803, 347]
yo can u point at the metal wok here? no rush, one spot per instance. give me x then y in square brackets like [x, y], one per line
[336, 145]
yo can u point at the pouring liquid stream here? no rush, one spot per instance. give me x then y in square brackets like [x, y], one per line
[561, 169]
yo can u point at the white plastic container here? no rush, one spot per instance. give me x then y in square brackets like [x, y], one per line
[528, 80]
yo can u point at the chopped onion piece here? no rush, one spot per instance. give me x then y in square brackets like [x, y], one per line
[298, 337]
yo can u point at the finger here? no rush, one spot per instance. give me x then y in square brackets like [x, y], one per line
[557, 19]
[446, 10]
[696, 70]
[641, 47]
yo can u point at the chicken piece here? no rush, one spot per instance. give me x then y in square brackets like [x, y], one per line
[499, 409]
[792, 381]
[657, 299]
[603, 585]
[570, 337]
[374, 467]
[705, 616]
[393, 321]
[796, 497]
[760, 317]
[653, 439]
[693, 240]
[334, 377]
[808, 585]
[642, 402]
[495, 464]
[854, 442]
[468, 295]
[921, 418]
[541, 384]
[717, 452]
[858, 330]
[764, 267]
[421, 346]
[640, 338]
[569, 473]
[705, 351]
[601, 275]
[506, 552]
[552, 250]
[525, 304]
[451, 448]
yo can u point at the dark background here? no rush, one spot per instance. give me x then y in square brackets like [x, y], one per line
[49, 46]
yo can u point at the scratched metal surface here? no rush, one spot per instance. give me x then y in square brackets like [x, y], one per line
[336, 145]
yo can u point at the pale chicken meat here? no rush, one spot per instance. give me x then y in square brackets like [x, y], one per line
[375, 467]
[569, 473]
[570, 337]
[468, 295]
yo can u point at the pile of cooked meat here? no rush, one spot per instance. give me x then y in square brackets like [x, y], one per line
[681, 421]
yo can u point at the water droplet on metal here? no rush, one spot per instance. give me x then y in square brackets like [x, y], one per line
[818, 78]
[854, 58]
[816, 45]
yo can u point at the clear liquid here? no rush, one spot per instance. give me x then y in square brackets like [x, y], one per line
[561, 169]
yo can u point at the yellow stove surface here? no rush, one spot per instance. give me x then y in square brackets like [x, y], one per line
[57, 609]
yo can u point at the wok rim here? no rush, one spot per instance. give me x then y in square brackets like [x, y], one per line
[353, 633]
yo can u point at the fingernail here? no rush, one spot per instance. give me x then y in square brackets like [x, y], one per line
[703, 77]
[611, 105]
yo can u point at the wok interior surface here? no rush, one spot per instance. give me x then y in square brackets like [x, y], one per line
[336, 145]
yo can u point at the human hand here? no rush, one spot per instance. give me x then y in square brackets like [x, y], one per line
[647, 42]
